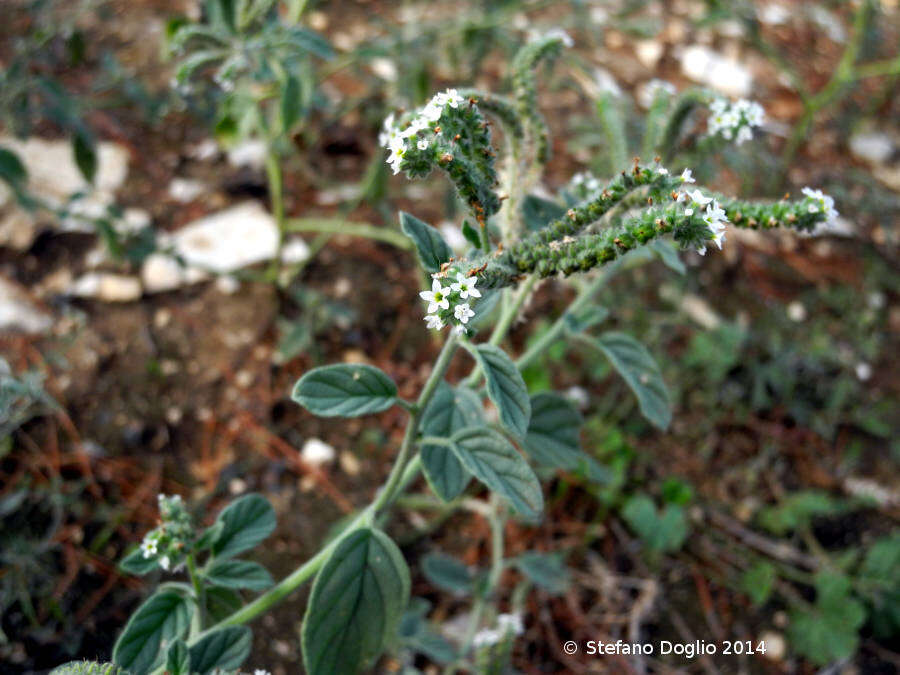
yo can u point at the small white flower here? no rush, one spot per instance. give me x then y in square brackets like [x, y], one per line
[561, 35]
[698, 198]
[689, 212]
[702, 250]
[465, 286]
[260, 671]
[715, 214]
[687, 176]
[662, 171]
[422, 144]
[148, 548]
[463, 313]
[510, 623]
[486, 637]
[433, 321]
[432, 111]
[436, 297]
[821, 202]
[743, 134]
[388, 131]
[165, 563]
[452, 98]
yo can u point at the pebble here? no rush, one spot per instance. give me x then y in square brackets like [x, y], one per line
[107, 287]
[316, 452]
[709, 67]
[18, 313]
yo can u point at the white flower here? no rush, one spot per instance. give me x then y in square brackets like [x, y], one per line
[465, 286]
[662, 171]
[459, 330]
[433, 110]
[687, 176]
[388, 131]
[510, 623]
[433, 321]
[689, 212]
[702, 250]
[422, 144]
[715, 214]
[436, 297]
[561, 35]
[452, 98]
[698, 198]
[165, 563]
[260, 671]
[148, 548]
[486, 637]
[743, 134]
[463, 313]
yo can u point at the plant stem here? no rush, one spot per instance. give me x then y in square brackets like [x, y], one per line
[276, 196]
[402, 474]
[341, 226]
[198, 619]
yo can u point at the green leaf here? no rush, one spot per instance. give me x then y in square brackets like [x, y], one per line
[537, 212]
[829, 632]
[798, 510]
[638, 368]
[448, 574]
[505, 387]
[356, 604]
[585, 320]
[668, 254]
[85, 153]
[291, 103]
[546, 570]
[136, 563]
[431, 248]
[758, 582]
[222, 602]
[311, 41]
[178, 659]
[162, 618]
[345, 390]
[552, 437]
[209, 536]
[245, 523]
[224, 649]
[471, 234]
[662, 531]
[448, 411]
[190, 64]
[88, 668]
[238, 574]
[12, 170]
[495, 462]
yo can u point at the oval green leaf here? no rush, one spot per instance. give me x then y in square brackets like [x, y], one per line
[552, 438]
[238, 574]
[222, 650]
[345, 390]
[245, 523]
[505, 388]
[639, 369]
[448, 574]
[164, 617]
[431, 248]
[495, 462]
[356, 604]
[449, 410]
[178, 659]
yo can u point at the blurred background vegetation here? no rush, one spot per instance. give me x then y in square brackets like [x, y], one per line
[150, 173]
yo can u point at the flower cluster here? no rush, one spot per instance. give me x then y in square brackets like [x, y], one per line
[167, 542]
[735, 120]
[450, 304]
[424, 122]
[508, 625]
[818, 202]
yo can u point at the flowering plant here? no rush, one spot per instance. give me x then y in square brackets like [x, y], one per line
[360, 604]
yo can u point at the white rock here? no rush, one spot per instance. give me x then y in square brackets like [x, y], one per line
[317, 452]
[874, 147]
[250, 153]
[796, 311]
[776, 646]
[294, 251]
[707, 66]
[648, 52]
[18, 313]
[384, 68]
[223, 242]
[184, 190]
[606, 83]
[774, 14]
[204, 150]
[228, 285]
[107, 287]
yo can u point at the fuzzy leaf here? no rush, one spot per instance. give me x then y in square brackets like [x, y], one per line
[431, 248]
[245, 523]
[162, 618]
[546, 570]
[356, 604]
[85, 152]
[449, 410]
[12, 170]
[239, 574]
[291, 103]
[495, 462]
[222, 602]
[668, 254]
[638, 368]
[345, 390]
[311, 41]
[448, 574]
[552, 438]
[178, 659]
[225, 649]
[505, 387]
[829, 632]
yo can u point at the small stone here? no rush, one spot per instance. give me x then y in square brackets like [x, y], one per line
[874, 147]
[349, 463]
[796, 311]
[317, 452]
[243, 379]
[776, 645]
[237, 486]
[174, 415]
[707, 66]
[384, 68]
[184, 190]
[863, 371]
[18, 313]
[228, 285]
[294, 251]
[251, 153]
[648, 52]
[107, 287]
